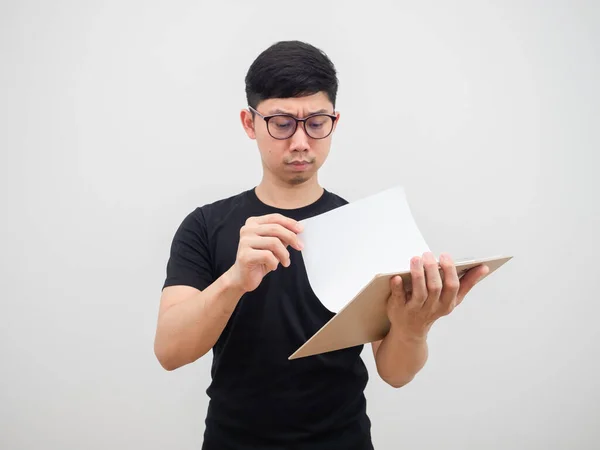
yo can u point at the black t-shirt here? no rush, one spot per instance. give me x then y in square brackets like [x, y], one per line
[258, 398]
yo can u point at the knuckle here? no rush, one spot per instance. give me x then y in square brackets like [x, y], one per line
[452, 285]
[273, 243]
[413, 308]
[419, 297]
[277, 247]
[285, 234]
[434, 287]
[266, 230]
[417, 275]
[243, 256]
[447, 266]
[430, 265]
[247, 228]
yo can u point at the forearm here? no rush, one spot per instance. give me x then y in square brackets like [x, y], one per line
[188, 330]
[400, 357]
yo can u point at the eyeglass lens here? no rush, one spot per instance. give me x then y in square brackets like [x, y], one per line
[317, 127]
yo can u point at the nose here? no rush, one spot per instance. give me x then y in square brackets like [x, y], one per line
[299, 140]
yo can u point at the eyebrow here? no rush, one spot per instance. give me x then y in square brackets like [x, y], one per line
[281, 111]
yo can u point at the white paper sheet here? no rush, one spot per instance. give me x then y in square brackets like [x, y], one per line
[346, 247]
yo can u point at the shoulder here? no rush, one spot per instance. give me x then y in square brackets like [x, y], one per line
[220, 208]
[227, 203]
[336, 199]
[220, 220]
[333, 200]
[206, 215]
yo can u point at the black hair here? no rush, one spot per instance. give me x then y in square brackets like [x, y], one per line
[290, 69]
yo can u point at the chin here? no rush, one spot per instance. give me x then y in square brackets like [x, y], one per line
[299, 179]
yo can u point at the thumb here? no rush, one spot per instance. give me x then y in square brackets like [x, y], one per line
[397, 287]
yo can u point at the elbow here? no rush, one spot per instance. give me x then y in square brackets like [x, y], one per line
[172, 356]
[165, 360]
[395, 381]
[168, 365]
[167, 357]
[397, 384]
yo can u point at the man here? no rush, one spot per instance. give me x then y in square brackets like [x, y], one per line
[236, 283]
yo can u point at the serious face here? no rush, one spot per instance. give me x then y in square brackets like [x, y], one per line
[292, 158]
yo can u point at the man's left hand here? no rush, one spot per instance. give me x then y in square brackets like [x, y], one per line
[432, 295]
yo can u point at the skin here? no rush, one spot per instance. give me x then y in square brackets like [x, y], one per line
[190, 321]
[281, 185]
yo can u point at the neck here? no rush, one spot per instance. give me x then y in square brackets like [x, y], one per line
[289, 196]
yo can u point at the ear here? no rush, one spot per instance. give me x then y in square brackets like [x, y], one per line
[337, 114]
[248, 123]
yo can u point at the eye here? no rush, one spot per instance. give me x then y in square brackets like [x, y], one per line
[281, 123]
[317, 122]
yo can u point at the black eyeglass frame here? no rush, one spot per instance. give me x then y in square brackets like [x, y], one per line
[333, 118]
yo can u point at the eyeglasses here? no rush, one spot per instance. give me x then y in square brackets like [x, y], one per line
[283, 126]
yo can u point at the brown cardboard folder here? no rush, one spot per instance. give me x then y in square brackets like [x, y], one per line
[364, 318]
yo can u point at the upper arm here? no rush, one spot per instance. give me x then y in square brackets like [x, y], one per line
[190, 263]
[189, 268]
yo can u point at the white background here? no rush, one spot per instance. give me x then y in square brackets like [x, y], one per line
[118, 118]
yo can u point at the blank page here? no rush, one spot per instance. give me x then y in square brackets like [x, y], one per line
[346, 247]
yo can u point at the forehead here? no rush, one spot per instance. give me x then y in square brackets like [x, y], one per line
[297, 106]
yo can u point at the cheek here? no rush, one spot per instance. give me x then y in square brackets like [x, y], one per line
[322, 149]
[270, 151]
[322, 153]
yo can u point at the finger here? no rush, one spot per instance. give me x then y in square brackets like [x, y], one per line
[272, 244]
[264, 257]
[275, 230]
[451, 283]
[470, 279]
[417, 275]
[287, 222]
[397, 290]
[433, 280]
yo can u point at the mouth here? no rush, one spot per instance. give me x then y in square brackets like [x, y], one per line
[299, 165]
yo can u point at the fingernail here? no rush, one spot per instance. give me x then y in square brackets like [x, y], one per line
[299, 226]
[300, 245]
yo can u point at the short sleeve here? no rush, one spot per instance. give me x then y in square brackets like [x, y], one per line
[189, 260]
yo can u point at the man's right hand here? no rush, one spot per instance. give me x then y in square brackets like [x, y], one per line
[262, 247]
[191, 321]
